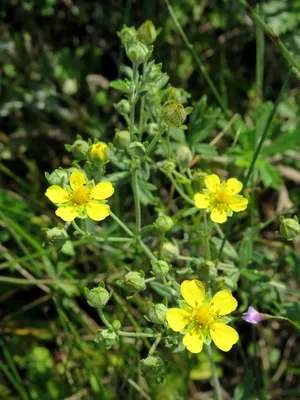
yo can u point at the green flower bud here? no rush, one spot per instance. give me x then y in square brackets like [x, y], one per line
[121, 139]
[97, 297]
[152, 367]
[289, 228]
[58, 177]
[147, 33]
[80, 149]
[164, 223]
[160, 268]
[116, 325]
[107, 337]
[136, 149]
[169, 251]
[207, 271]
[173, 113]
[57, 236]
[127, 35]
[184, 155]
[135, 281]
[157, 313]
[138, 52]
[153, 129]
[123, 107]
[177, 94]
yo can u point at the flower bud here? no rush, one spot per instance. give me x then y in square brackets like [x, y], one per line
[169, 251]
[121, 139]
[116, 325]
[58, 177]
[253, 316]
[289, 228]
[97, 297]
[173, 113]
[164, 223]
[184, 155]
[153, 129]
[57, 236]
[135, 281]
[152, 367]
[147, 33]
[157, 313]
[123, 107]
[136, 149]
[127, 35]
[160, 268]
[80, 149]
[207, 271]
[107, 337]
[138, 52]
[98, 152]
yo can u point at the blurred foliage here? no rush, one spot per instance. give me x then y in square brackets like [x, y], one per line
[57, 60]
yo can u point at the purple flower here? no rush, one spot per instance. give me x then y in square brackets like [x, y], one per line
[252, 316]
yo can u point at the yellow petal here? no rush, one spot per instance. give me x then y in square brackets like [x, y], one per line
[97, 212]
[201, 201]
[193, 292]
[212, 182]
[223, 303]
[177, 319]
[218, 215]
[233, 186]
[223, 336]
[77, 180]
[237, 203]
[67, 213]
[193, 341]
[56, 194]
[102, 191]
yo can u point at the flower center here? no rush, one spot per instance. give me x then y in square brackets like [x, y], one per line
[81, 196]
[203, 316]
[222, 196]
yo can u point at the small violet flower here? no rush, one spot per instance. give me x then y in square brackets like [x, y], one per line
[253, 316]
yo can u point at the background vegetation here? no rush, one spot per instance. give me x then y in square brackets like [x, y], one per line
[57, 60]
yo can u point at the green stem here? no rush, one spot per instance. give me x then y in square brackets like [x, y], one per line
[133, 100]
[155, 344]
[197, 59]
[266, 130]
[269, 32]
[142, 245]
[79, 230]
[179, 190]
[215, 379]
[141, 124]
[206, 237]
[137, 335]
[153, 142]
[121, 224]
[103, 319]
[137, 203]
[259, 60]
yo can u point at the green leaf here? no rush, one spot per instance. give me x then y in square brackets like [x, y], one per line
[269, 174]
[206, 150]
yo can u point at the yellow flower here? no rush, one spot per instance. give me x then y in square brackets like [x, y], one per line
[100, 149]
[202, 319]
[221, 199]
[81, 199]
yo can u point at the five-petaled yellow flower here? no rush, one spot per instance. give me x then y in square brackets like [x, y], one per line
[201, 319]
[221, 199]
[81, 198]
